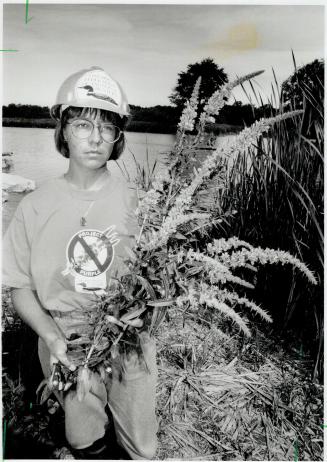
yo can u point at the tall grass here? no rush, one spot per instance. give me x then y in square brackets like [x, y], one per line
[144, 171]
[277, 189]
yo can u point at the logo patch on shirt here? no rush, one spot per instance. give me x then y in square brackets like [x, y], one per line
[90, 252]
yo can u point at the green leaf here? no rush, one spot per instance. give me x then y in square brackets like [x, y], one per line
[147, 286]
[179, 236]
[46, 391]
[130, 253]
[194, 270]
[113, 320]
[161, 303]
[132, 314]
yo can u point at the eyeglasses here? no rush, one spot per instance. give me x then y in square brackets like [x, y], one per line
[83, 128]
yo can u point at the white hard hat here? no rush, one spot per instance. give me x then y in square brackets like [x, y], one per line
[93, 88]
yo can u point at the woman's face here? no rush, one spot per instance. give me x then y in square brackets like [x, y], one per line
[88, 153]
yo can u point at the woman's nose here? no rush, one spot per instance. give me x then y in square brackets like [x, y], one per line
[96, 134]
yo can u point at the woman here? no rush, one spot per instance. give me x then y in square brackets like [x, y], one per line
[64, 247]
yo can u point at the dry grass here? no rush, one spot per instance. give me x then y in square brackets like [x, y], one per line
[259, 405]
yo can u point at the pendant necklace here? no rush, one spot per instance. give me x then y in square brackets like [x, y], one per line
[98, 185]
[85, 214]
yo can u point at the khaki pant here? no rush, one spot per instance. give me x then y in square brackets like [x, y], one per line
[131, 402]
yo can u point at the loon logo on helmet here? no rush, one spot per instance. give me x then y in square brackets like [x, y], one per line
[91, 88]
[97, 84]
[90, 92]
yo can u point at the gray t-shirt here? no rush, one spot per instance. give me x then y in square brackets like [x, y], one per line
[47, 249]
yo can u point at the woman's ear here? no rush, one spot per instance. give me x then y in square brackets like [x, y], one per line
[64, 134]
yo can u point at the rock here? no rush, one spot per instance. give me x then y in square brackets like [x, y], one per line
[7, 161]
[16, 183]
[4, 196]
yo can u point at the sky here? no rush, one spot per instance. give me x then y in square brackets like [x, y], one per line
[145, 46]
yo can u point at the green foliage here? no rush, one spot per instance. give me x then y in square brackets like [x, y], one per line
[244, 114]
[26, 111]
[28, 122]
[276, 187]
[213, 77]
[156, 119]
[304, 85]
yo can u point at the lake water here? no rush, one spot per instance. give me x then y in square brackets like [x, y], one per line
[35, 157]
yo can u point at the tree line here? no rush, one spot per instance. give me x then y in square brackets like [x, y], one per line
[164, 119]
[156, 119]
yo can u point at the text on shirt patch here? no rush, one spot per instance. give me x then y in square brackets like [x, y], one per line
[90, 252]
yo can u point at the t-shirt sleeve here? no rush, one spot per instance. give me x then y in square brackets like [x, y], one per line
[16, 253]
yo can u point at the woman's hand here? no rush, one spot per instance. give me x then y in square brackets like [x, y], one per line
[58, 352]
[29, 308]
[58, 357]
[60, 379]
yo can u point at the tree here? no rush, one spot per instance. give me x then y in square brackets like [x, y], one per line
[305, 82]
[28, 111]
[236, 114]
[304, 89]
[213, 77]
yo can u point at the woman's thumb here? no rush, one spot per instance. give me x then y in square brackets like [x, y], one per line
[59, 353]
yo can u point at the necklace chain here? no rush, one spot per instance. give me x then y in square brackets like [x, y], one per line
[98, 184]
[85, 214]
